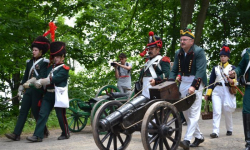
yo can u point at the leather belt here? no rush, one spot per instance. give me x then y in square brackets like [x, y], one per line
[220, 84]
[51, 90]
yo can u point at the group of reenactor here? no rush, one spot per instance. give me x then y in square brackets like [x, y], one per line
[38, 91]
[189, 69]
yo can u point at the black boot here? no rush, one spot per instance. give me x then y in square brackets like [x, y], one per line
[13, 137]
[185, 144]
[246, 124]
[34, 139]
[197, 142]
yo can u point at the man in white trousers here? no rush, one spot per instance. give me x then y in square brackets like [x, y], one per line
[223, 100]
[190, 71]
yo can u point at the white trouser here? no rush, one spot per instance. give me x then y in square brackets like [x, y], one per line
[218, 98]
[192, 115]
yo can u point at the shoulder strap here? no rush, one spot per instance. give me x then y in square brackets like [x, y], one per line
[33, 67]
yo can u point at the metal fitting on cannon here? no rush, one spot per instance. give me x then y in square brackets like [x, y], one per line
[115, 118]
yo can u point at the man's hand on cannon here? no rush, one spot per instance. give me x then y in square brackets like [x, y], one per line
[152, 82]
[178, 78]
[191, 90]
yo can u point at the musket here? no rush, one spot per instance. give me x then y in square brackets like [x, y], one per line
[4, 102]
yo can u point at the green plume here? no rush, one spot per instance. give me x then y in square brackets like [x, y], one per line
[189, 26]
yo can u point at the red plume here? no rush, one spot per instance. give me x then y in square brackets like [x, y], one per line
[226, 48]
[52, 28]
[143, 53]
[151, 33]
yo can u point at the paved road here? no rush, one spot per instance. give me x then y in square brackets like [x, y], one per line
[84, 139]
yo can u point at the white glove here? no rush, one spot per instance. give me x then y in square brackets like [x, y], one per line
[32, 80]
[20, 92]
[45, 81]
[38, 84]
[26, 85]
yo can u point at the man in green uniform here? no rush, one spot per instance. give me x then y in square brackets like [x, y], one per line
[57, 76]
[243, 70]
[190, 70]
[156, 68]
[35, 69]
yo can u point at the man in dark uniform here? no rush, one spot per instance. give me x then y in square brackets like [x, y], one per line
[190, 70]
[57, 75]
[35, 69]
[243, 70]
[157, 68]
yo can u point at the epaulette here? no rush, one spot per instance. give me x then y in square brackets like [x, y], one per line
[45, 60]
[27, 60]
[166, 59]
[243, 52]
[66, 67]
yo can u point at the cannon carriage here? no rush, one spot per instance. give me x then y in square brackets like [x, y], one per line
[79, 111]
[156, 118]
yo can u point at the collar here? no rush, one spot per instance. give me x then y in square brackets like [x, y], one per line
[35, 59]
[224, 65]
[154, 57]
[58, 64]
[190, 49]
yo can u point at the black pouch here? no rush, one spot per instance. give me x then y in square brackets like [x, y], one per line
[138, 87]
[242, 81]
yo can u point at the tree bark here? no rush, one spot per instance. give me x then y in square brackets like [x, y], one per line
[187, 9]
[200, 21]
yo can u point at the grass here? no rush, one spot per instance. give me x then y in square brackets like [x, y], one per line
[7, 124]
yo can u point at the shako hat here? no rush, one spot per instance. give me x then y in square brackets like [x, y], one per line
[57, 49]
[225, 50]
[187, 32]
[154, 40]
[42, 43]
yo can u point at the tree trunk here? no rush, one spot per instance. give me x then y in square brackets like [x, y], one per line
[15, 84]
[187, 8]
[200, 21]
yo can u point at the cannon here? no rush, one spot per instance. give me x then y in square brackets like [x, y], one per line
[157, 118]
[79, 111]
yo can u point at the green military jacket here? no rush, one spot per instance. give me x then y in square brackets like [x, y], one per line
[194, 63]
[162, 74]
[40, 67]
[240, 69]
[60, 76]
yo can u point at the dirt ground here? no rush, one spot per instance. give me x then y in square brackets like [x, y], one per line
[84, 140]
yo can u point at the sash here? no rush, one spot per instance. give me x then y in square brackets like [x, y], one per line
[149, 65]
[33, 67]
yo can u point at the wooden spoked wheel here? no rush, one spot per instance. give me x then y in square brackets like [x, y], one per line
[161, 127]
[95, 108]
[106, 90]
[114, 138]
[76, 120]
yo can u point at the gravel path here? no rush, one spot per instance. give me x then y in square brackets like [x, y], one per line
[84, 139]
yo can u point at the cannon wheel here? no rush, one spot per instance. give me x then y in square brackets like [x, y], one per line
[161, 127]
[112, 139]
[105, 90]
[94, 109]
[76, 120]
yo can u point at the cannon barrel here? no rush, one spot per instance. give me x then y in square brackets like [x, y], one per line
[115, 118]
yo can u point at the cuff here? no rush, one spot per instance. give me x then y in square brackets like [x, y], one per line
[159, 80]
[196, 83]
[234, 83]
[209, 92]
